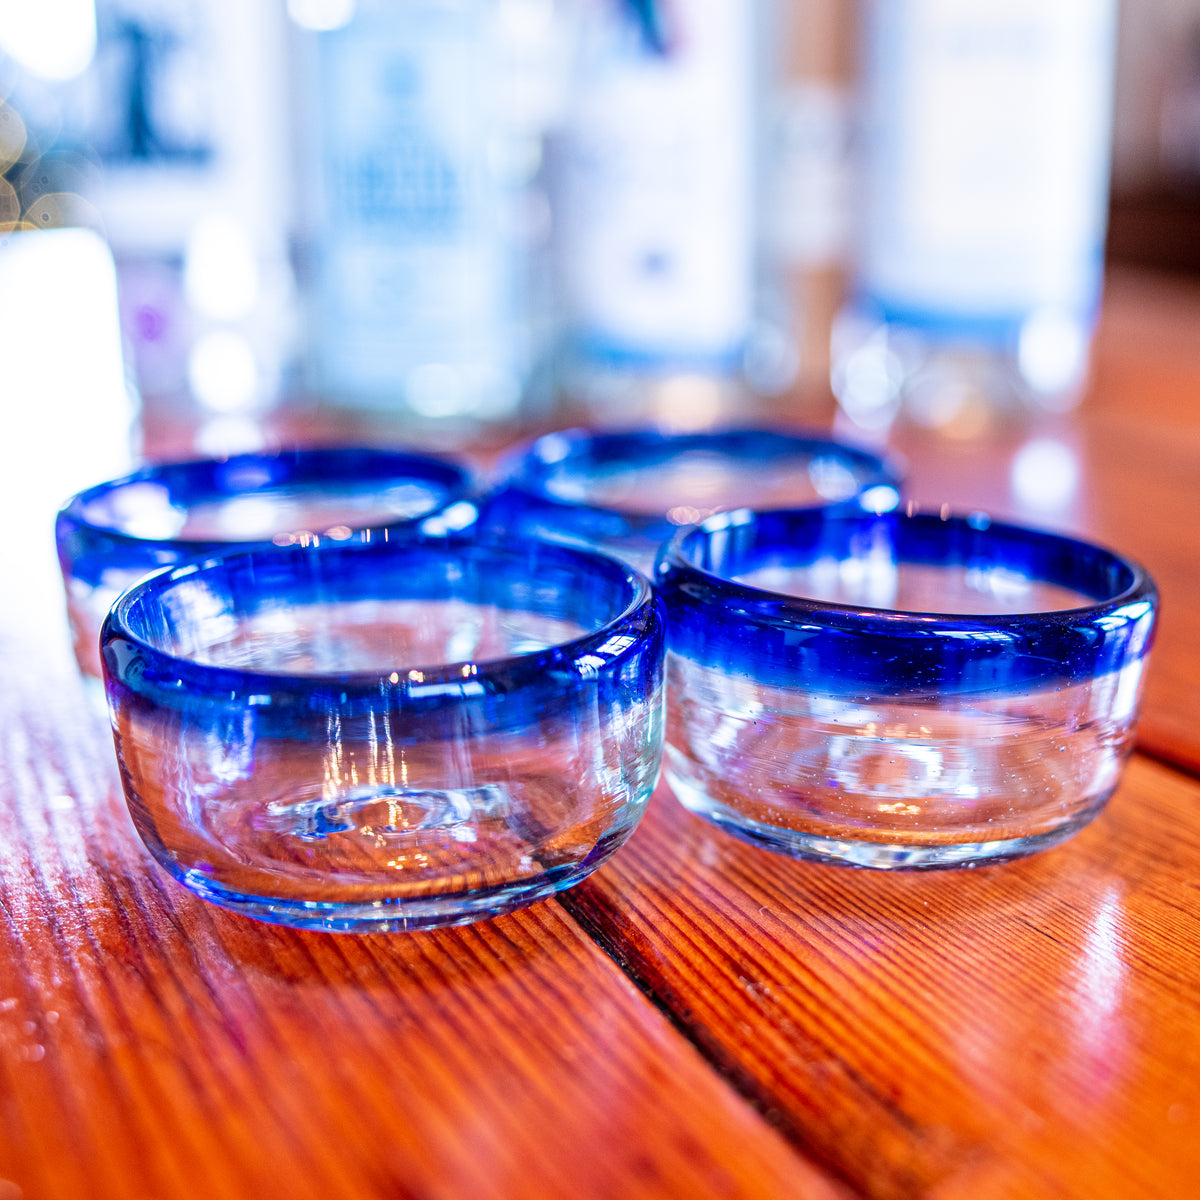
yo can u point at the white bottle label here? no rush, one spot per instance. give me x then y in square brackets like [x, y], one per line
[418, 280]
[988, 132]
[656, 192]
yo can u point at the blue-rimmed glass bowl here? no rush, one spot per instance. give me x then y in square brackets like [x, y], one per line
[386, 734]
[112, 535]
[899, 690]
[626, 493]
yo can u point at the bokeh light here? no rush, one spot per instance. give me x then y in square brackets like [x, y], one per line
[321, 15]
[52, 39]
[222, 371]
[220, 272]
[1045, 475]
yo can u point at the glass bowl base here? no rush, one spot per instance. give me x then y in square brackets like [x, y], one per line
[891, 855]
[389, 914]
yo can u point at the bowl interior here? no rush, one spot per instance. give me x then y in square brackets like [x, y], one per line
[920, 564]
[256, 499]
[689, 478]
[370, 609]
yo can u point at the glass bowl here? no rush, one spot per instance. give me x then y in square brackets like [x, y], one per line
[112, 535]
[386, 734]
[627, 493]
[899, 690]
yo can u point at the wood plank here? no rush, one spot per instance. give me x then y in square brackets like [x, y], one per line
[1030, 1029]
[1023, 1030]
[152, 1045]
[1143, 417]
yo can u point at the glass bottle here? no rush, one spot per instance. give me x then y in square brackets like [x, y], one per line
[978, 263]
[670, 316]
[425, 221]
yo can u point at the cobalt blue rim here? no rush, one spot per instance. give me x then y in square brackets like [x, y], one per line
[525, 476]
[87, 547]
[790, 641]
[621, 657]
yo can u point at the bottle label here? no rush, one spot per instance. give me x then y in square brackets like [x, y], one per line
[417, 282]
[987, 127]
[656, 193]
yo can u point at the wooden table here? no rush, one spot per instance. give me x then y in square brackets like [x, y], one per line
[700, 1018]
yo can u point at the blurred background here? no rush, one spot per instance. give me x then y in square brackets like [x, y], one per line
[227, 225]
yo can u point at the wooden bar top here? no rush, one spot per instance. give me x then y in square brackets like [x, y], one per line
[698, 1019]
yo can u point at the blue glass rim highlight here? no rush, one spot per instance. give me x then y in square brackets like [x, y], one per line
[791, 641]
[524, 477]
[495, 693]
[87, 546]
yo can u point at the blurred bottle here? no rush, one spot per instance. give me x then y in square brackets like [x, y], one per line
[421, 131]
[183, 110]
[670, 315]
[808, 173]
[986, 133]
[60, 337]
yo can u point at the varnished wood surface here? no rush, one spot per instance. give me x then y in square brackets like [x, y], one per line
[701, 1018]
[154, 1046]
[1028, 1029]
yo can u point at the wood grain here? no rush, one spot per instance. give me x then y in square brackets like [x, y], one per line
[1031, 1029]
[154, 1046]
[1028, 1030]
